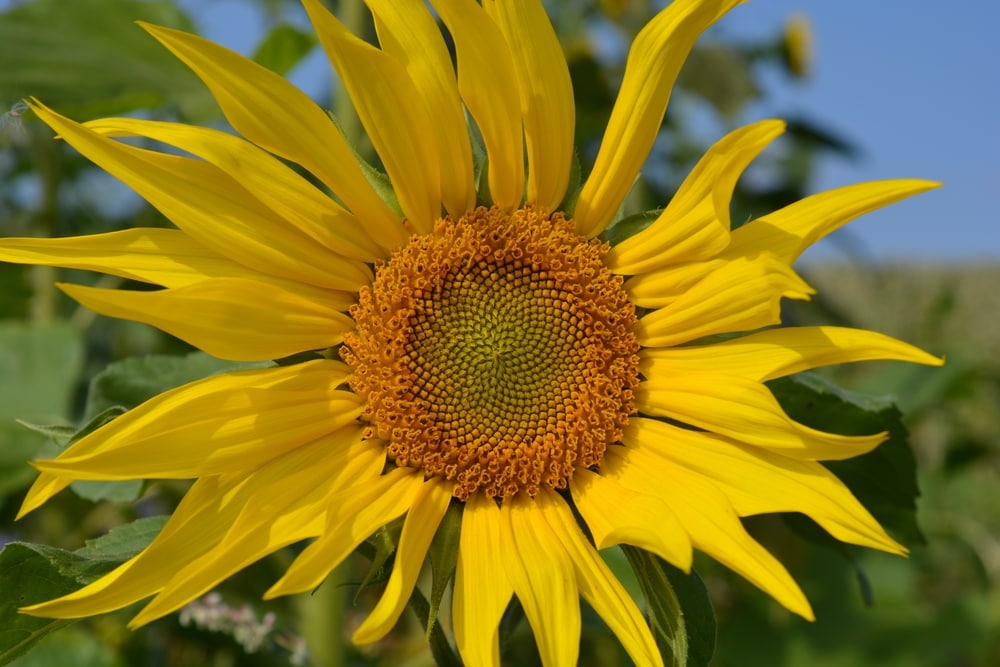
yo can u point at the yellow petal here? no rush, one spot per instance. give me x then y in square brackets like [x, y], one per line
[653, 63]
[774, 353]
[283, 503]
[598, 584]
[544, 578]
[230, 318]
[617, 515]
[745, 410]
[166, 257]
[546, 95]
[203, 506]
[276, 185]
[357, 514]
[280, 118]
[407, 30]
[220, 409]
[44, 487]
[695, 225]
[757, 481]
[421, 523]
[488, 83]
[741, 295]
[482, 589]
[226, 422]
[213, 519]
[711, 522]
[393, 114]
[213, 209]
[789, 231]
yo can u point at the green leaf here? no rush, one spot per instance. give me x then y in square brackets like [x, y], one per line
[31, 573]
[123, 542]
[63, 436]
[77, 645]
[283, 48]
[680, 610]
[814, 135]
[444, 557]
[128, 383]
[89, 58]
[385, 540]
[124, 385]
[27, 577]
[721, 75]
[40, 367]
[123, 491]
[884, 480]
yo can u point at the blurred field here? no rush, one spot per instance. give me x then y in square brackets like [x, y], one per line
[951, 305]
[941, 607]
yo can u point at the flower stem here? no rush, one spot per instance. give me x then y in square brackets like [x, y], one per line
[321, 618]
[352, 14]
[42, 309]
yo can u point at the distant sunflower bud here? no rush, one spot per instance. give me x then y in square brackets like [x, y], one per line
[798, 45]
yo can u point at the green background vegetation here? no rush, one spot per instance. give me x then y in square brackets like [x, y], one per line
[87, 59]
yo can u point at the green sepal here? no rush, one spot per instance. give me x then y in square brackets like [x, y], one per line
[480, 163]
[885, 479]
[32, 573]
[680, 611]
[629, 226]
[444, 558]
[483, 195]
[58, 433]
[97, 421]
[384, 542]
[575, 184]
[376, 178]
[441, 649]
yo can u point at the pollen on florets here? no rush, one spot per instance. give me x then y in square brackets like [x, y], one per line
[496, 351]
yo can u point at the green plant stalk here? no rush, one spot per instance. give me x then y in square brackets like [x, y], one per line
[321, 621]
[42, 279]
[352, 14]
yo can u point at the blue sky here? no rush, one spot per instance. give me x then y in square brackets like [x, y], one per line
[915, 85]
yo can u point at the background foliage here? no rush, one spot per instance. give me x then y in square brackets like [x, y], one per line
[60, 372]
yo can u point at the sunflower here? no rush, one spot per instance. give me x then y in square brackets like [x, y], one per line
[480, 347]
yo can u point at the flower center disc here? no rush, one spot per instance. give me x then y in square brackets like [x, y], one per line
[496, 352]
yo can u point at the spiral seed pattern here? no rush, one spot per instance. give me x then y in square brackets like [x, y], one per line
[496, 352]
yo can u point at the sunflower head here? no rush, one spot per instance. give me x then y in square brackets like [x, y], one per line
[496, 353]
